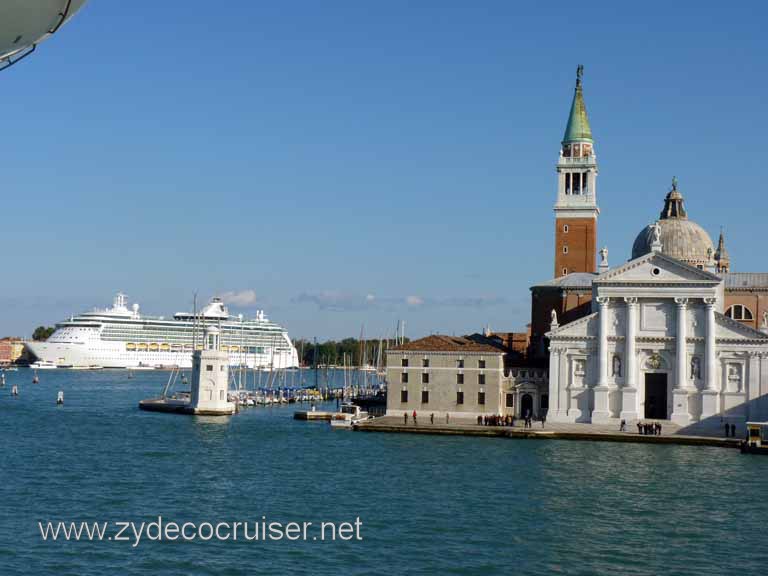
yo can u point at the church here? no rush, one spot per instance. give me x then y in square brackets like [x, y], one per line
[672, 334]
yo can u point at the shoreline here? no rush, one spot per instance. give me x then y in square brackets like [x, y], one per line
[556, 432]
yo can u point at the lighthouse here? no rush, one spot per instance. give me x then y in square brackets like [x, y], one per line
[210, 377]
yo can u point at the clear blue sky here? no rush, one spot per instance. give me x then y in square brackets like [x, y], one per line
[359, 162]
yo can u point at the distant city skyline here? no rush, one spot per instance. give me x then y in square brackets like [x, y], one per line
[342, 164]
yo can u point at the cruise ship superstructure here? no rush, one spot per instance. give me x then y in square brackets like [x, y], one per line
[120, 337]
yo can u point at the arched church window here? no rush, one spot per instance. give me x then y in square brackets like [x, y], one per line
[739, 312]
[565, 228]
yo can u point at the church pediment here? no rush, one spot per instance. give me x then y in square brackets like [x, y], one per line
[657, 268]
[728, 329]
[582, 328]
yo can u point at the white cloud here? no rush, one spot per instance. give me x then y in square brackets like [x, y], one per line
[241, 298]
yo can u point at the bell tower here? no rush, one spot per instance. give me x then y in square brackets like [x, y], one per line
[576, 208]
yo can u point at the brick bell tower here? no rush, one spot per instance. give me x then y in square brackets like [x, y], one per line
[576, 208]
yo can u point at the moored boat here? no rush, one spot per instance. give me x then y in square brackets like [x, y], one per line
[757, 438]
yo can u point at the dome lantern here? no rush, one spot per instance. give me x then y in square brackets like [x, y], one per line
[680, 238]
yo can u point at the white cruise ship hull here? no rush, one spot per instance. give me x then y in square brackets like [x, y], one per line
[120, 337]
[114, 355]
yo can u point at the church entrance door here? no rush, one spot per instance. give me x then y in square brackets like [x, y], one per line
[526, 406]
[656, 396]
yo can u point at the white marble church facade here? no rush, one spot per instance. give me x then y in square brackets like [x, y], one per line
[657, 346]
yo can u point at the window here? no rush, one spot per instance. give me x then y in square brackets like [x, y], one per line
[739, 312]
[565, 228]
[565, 271]
[460, 397]
[404, 395]
[481, 379]
[459, 378]
[425, 378]
[209, 367]
[404, 377]
[565, 249]
[481, 364]
[460, 363]
[481, 398]
[510, 401]
[425, 396]
[221, 368]
[404, 362]
[425, 362]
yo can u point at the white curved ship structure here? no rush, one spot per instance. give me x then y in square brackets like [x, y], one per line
[26, 23]
[119, 337]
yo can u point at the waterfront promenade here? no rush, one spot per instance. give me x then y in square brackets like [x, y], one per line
[670, 434]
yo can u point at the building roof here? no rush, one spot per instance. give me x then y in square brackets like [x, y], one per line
[582, 280]
[681, 238]
[442, 343]
[746, 280]
[578, 129]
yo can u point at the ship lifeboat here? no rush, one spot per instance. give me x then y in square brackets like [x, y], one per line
[188, 347]
[165, 347]
[224, 348]
[234, 348]
[154, 347]
[141, 347]
[130, 346]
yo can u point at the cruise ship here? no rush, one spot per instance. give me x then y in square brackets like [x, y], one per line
[120, 337]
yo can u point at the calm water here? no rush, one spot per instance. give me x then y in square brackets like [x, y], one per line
[429, 505]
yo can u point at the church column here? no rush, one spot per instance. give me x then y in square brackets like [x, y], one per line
[680, 413]
[629, 392]
[709, 396]
[602, 411]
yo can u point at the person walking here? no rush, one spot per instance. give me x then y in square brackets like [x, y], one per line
[405, 418]
[623, 426]
[432, 418]
[414, 416]
[543, 419]
[446, 417]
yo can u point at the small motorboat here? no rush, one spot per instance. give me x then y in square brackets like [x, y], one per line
[757, 438]
[43, 365]
[350, 415]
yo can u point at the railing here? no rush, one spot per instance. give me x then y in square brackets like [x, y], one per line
[580, 160]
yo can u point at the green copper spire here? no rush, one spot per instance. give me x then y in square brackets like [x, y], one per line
[578, 129]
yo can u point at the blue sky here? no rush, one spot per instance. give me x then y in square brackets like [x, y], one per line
[349, 163]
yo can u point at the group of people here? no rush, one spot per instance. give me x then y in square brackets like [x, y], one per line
[649, 428]
[483, 420]
[496, 420]
[730, 430]
[431, 418]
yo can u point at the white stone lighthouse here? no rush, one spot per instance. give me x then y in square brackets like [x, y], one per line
[210, 377]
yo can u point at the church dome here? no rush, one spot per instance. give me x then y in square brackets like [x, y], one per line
[680, 238]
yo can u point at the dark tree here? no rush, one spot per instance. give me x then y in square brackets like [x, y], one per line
[42, 333]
